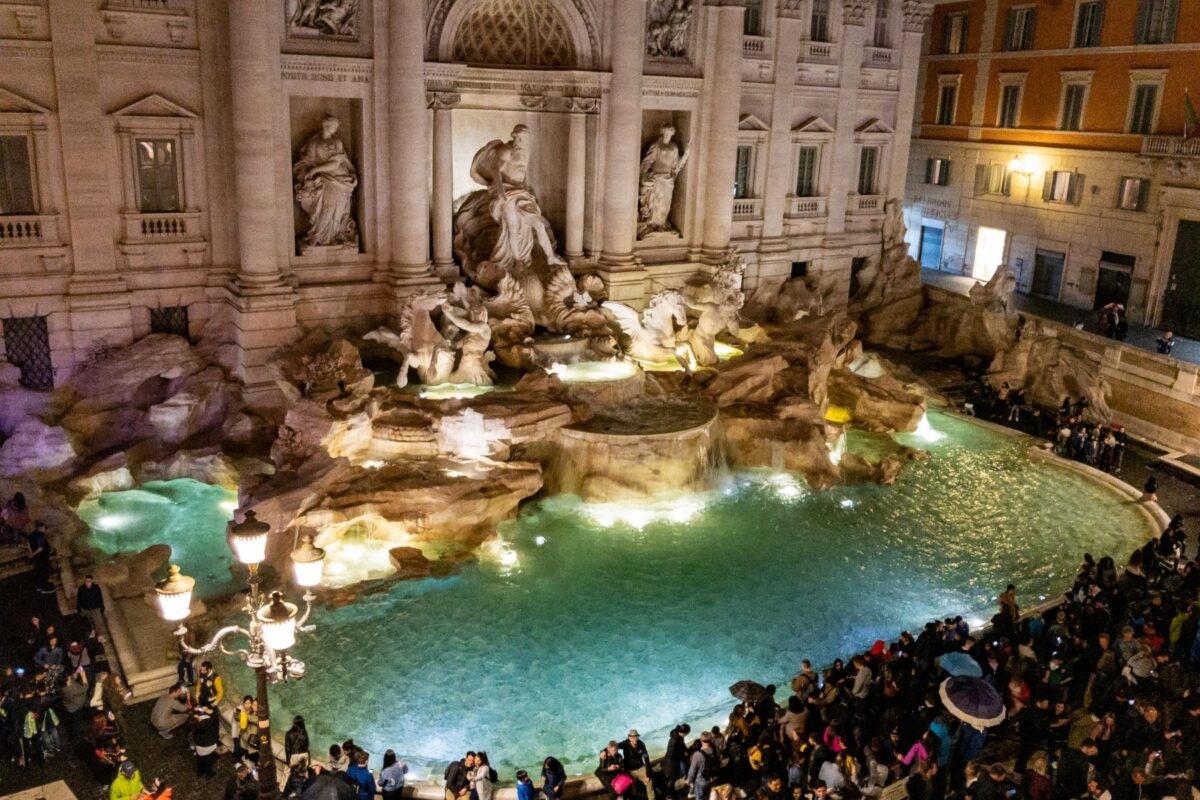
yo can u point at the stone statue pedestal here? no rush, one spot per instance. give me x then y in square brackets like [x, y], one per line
[329, 252]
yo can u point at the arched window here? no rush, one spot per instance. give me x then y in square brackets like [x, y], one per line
[514, 33]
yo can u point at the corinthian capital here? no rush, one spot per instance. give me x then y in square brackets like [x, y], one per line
[854, 12]
[443, 100]
[916, 15]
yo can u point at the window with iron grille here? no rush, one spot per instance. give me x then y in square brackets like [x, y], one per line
[170, 319]
[27, 346]
[16, 188]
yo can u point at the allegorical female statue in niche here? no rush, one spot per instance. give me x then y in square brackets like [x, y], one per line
[660, 167]
[325, 180]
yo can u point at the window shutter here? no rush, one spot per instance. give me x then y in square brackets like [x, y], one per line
[944, 173]
[947, 30]
[1030, 25]
[1099, 23]
[1048, 186]
[929, 170]
[1170, 15]
[1143, 195]
[1009, 25]
[980, 179]
[1141, 31]
[966, 21]
[1076, 190]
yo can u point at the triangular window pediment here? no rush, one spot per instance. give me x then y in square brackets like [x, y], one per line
[813, 125]
[13, 103]
[752, 123]
[874, 125]
[154, 105]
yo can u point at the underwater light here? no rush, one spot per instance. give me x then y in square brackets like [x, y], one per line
[113, 522]
[786, 486]
[926, 432]
[228, 505]
[638, 514]
[373, 463]
[846, 503]
[726, 351]
[593, 371]
[539, 540]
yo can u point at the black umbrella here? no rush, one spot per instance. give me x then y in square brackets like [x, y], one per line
[749, 691]
[329, 787]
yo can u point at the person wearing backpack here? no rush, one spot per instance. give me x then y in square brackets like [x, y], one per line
[703, 768]
[458, 777]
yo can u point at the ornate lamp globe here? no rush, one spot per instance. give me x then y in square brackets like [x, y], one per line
[174, 594]
[308, 562]
[248, 539]
[278, 621]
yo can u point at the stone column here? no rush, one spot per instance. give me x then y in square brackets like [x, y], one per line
[442, 211]
[720, 152]
[253, 56]
[623, 136]
[408, 142]
[98, 299]
[774, 261]
[916, 17]
[263, 304]
[576, 181]
[845, 151]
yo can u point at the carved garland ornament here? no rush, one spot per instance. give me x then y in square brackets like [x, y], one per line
[854, 12]
[916, 15]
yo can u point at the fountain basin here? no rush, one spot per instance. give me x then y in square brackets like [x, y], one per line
[638, 452]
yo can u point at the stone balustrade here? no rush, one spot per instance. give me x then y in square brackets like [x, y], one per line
[169, 227]
[754, 46]
[1170, 146]
[29, 230]
[818, 52]
[865, 205]
[806, 207]
[747, 208]
[879, 57]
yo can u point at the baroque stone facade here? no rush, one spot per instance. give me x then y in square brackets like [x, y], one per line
[149, 148]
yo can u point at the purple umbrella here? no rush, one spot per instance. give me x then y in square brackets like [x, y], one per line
[973, 700]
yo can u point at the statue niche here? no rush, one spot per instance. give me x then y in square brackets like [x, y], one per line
[325, 180]
[661, 165]
[506, 247]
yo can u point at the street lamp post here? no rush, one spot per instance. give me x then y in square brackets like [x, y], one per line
[271, 630]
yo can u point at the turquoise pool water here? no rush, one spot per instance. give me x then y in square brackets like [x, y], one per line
[188, 515]
[585, 621]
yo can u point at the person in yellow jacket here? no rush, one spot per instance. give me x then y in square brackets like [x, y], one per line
[209, 690]
[128, 783]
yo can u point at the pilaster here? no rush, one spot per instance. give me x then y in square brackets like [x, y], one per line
[724, 108]
[773, 248]
[442, 210]
[576, 184]
[845, 150]
[983, 68]
[916, 18]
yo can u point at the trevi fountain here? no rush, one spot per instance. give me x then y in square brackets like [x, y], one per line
[549, 515]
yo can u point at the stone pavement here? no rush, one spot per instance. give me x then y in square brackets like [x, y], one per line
[54, 791]
[1140, 336]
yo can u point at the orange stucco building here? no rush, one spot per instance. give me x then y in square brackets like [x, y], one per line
[1050, 137]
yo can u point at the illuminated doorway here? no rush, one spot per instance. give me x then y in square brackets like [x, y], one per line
[989, 252]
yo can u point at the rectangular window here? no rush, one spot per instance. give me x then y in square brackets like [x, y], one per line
[1089, 20]
[16, 187]
[937, 171]
[158, 177]
[1133, 194]
[883, 31]
[1062, 186]
[1141, 118]
[954, 34]
[991, 179]
[27, 346]
[799, 269]
[1010, 106]
[741, 178]
[752, 21]
[1156, 21]
[1072, 107]
[806, 176]
[820, 21]
[170, 319]
[1018, 29]
[867, 164]
[947, 97]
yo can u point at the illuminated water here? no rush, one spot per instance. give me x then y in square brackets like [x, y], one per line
[583, 622]
[186, 514]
